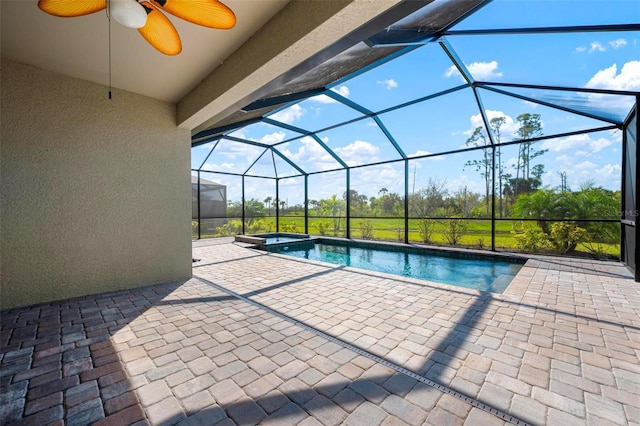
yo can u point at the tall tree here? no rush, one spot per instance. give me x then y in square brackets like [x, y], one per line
[391, 203]
[563, 181]
[252, 209]
[313, 205]
[267, 202]
[485, 164]
[426, 201]
[358, 202]
[537, 171]
[463, 201]
[530, 127]
[496, 124]
[333, 208]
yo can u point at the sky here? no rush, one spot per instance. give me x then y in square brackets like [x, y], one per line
[609, 60]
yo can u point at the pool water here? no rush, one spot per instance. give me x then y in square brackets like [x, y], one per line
[275, 240]
[490, 275]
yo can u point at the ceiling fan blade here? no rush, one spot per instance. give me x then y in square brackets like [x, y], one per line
[71, 8]
[160, 32]
[208, 13]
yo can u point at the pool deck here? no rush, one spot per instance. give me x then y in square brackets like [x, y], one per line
[256, 337]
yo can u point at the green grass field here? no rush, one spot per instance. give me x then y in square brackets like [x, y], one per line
[477, 234]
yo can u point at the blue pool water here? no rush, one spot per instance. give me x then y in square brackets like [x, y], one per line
[484, 274]
[278, 239]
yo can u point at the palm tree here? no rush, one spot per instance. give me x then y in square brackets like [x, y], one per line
[334, 207]
[267, 202]
[313, 205]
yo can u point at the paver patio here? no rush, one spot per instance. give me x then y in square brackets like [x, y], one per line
[262, 338]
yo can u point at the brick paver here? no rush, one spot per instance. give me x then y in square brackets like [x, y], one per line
[560, 346]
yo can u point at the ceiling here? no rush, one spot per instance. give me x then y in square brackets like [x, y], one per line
[218, 71]
[79, 47]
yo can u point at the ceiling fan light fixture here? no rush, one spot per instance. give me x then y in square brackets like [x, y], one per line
[129, 13]
[148, 17]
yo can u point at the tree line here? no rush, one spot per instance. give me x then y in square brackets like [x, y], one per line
[556, 219]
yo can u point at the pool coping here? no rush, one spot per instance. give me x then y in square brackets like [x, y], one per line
[419, 248]
[260, 240]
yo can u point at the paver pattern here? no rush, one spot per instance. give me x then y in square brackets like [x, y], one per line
[560, 346]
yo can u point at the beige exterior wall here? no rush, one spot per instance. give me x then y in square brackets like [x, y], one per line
[95, 193]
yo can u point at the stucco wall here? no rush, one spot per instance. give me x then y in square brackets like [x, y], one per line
[95, 193]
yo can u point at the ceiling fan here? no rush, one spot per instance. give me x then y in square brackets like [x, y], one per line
[147, 16]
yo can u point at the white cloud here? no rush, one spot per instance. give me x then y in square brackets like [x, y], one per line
[232, 149]
[596, 46]
[272, 138]
[268, 139]
[327, 184]
[420, 153]
[353, 153]
[239, 134]
[342, 90]
[310, 155]
[324, 99]
[218, 167]
[606, 176]
[389, 84]
[451, 71]
[369, 180]
[289, 115]
[478, 70]
[484, 70]
[462, 181]
[608, 78]
[617, 44]
[582, 158]
[576, 146]
[511, 163]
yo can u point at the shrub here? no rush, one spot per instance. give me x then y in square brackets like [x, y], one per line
[366, 229]
[454, 230]
[400, 230]
[426, 227]
[289, 227]
[253, 227]
[530, 238]
[233, 227]
[598, 236]
[323, 227]
[565, 236]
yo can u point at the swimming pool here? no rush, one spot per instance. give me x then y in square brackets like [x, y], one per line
[480, 272]
[281, 239]
[277, 240]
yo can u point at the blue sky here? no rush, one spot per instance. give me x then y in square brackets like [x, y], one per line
[594, 60]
